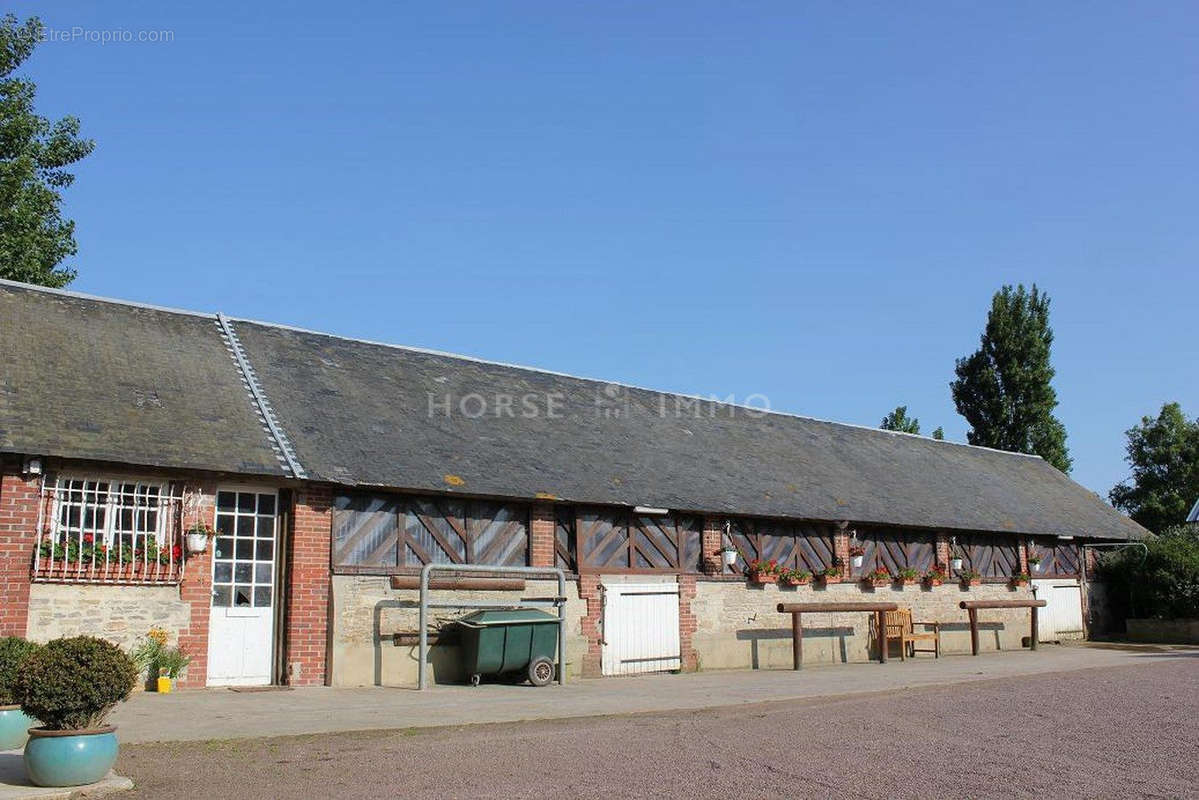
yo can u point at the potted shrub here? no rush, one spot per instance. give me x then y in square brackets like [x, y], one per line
[198, 536]
[14, 723]
[907, 576]
[878, 577]
[763, 571]
[795, 577]
[970, 578]
[857, 554]
[71, 685]
[831, 574]
[1034, 563]
[1019, 579]
[935, 576]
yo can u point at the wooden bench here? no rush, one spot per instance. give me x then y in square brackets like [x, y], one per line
[972, 607]
[899, 626]
[798, 609]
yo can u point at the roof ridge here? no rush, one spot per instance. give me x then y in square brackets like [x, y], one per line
[493, 362]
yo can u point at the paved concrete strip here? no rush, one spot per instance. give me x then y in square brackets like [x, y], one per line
[14, 785]
[221, 714]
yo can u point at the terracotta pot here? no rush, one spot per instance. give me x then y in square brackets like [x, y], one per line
[973, 582]
[758, 577]
[934, 582]
[790, 582]
[829, 579]
[908, 581]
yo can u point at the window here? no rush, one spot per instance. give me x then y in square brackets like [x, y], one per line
[109, 529]
[243, 560]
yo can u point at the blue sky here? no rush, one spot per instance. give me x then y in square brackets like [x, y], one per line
[813, 202]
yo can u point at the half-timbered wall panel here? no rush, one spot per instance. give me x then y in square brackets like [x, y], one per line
[792, 545]
[894, 549]
[990, 555]
[620, 540]
[1059, 559]
[564, 539]
[385, 533]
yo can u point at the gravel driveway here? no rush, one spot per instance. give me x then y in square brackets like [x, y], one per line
[1120, 732]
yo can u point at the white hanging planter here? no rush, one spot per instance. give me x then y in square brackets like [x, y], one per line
[730, 556]
[955, 564]
[197, 542]
[856, 561]
[1036, 567]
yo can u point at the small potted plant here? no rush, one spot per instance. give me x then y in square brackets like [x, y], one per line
[14, 723]
[795, 577]
[935, 576]
[907, 576]
[1034, 563]
[857, 554]
[1019, 579]
[71, 685]
[878, 577]
[728, 555]
[831, 574]
[969, 578]
[198, 536]
[171, 663]
[763, 571]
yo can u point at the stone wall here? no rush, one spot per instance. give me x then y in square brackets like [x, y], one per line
[367, 611]
[737, 626]
[120, 614]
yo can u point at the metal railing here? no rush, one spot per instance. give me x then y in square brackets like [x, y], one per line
[108, 531]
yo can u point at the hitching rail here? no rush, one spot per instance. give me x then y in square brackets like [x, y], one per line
[972, 608]
[798, 609]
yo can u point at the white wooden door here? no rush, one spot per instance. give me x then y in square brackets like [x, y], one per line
[241, 630]
[1061, 618]
[641, 628]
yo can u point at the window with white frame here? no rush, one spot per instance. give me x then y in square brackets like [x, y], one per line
[100, 523]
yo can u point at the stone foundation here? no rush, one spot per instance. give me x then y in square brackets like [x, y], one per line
[737, 626]
[120, 614]
[367, 611]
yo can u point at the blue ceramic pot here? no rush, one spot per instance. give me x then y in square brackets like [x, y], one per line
[70, 758]
[14, 727]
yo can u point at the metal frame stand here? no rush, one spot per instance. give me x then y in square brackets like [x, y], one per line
[559, 602]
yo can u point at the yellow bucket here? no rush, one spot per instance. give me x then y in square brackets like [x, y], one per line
[164, 685]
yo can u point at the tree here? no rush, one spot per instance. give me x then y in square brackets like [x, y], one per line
[1004, 389]
[898, 420]
[1164, 456]
[939, 433]
[34, 236]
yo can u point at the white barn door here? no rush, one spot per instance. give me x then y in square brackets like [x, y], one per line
[1062, 617]
[641, 628]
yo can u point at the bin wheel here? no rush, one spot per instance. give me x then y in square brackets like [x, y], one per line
[541, 671]
[474, 679]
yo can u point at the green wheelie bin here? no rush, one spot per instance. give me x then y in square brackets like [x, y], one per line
[519, 640]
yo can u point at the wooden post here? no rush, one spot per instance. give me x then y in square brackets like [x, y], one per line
[881, 617]
[797, 640]
[973, 630]
[1032, 641]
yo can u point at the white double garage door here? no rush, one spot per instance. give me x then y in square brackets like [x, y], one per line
[640, 627]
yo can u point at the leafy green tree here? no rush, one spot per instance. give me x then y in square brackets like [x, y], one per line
[898, 420]
[1004, 389]
[34, 237]
[1164, 456]
[939, 433]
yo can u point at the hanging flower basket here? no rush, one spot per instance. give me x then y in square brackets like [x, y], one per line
[1034, 563]
[857, 554]
[729, 555]
[955, 564]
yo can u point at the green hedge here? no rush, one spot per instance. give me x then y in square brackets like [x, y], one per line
[72, 684]
[13, 651]
[1164, 584]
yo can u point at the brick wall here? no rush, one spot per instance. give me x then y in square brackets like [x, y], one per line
[542, 522]
[687, 624]
[18, 532]
[196, 591]
[592, 625]
[711, 540]
[308, 577]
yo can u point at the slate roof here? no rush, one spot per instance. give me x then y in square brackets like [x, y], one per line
[367, 414]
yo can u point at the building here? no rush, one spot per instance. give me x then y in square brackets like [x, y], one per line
[332, 469]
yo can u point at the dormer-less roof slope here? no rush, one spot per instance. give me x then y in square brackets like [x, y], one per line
[90, 379]
[96, 379]
[365, 413]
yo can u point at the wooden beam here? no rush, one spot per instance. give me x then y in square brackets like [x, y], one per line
[484, 584]
[804, 608]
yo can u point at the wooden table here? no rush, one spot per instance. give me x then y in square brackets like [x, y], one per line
[972, 607]
[796, 610]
